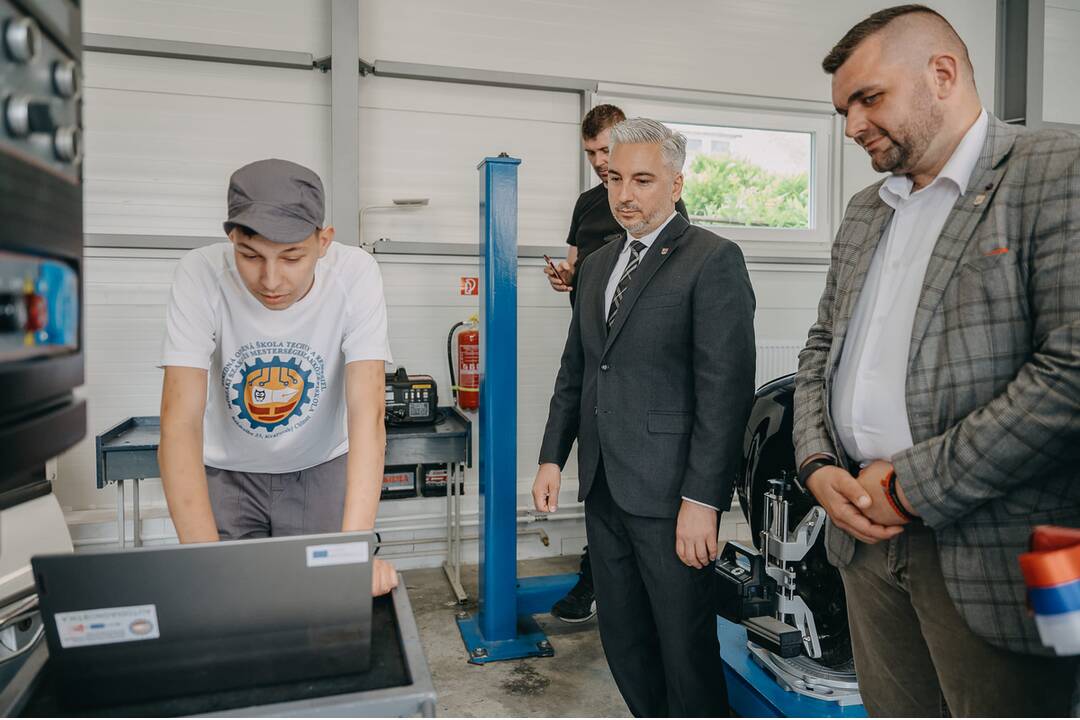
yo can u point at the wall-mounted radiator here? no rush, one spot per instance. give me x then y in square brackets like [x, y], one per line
[776, 358]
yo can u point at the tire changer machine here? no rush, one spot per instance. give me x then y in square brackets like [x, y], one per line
[794, 658]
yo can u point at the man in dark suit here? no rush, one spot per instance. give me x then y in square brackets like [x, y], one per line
[591, 226]
[936, 407]
[656, 383]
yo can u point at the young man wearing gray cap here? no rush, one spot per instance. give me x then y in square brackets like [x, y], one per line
[273, 399]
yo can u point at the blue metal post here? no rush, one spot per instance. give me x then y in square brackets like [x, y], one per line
[498, 397]
[503, 629]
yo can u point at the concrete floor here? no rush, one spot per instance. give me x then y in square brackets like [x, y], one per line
[575, 682]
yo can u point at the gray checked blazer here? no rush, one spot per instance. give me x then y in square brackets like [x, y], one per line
[993, 383]
[665, 395]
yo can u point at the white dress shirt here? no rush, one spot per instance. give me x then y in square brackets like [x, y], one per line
[616, 274]
[869, 402]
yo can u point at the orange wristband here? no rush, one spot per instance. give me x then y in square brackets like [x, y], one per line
[888, 484]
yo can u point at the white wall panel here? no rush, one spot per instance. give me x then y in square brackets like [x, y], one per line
[1061, 81]
[700, 44]
[787, 298]
[765, 47]
[163, 136]
[425, 139]
[297, 25]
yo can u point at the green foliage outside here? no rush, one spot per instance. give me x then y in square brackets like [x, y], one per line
[728, 190]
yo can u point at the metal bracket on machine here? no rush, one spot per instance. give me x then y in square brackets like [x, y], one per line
[791, 549]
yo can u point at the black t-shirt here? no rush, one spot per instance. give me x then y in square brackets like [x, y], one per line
[592, 226]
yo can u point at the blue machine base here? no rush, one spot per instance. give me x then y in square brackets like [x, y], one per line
[537, 594]
[530, 641]
[752, 692]
[534, 595]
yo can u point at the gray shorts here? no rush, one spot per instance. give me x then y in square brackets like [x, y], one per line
[256, 505]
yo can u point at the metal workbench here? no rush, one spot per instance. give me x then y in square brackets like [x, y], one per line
[448, 441]
[399, 684]
[128, 451]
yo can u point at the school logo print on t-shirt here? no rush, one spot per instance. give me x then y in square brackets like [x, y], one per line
[274, 387]
[270, 393]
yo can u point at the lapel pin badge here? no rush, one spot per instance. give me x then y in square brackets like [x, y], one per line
[663, 251]
[979, 199]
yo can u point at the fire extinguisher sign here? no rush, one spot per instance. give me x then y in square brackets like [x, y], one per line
[470, 286]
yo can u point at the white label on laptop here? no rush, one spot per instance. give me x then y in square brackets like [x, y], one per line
[349, 553]
[106, 626]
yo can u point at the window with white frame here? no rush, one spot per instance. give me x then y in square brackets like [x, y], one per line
[746, 177]
[767, 178]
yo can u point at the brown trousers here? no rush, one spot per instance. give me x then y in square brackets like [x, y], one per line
[916, 657]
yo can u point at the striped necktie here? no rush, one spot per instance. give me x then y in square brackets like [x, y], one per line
[636, 247]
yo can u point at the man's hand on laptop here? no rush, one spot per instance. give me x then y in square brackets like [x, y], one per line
[384, 577]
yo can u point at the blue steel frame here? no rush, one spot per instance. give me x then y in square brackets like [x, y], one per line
[503, 628]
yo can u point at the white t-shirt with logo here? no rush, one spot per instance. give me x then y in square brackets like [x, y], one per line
[276, 395]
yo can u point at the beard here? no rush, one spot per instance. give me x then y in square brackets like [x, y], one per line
[912, 138]
[638, 228]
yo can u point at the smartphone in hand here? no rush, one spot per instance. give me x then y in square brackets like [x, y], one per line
[558, 274]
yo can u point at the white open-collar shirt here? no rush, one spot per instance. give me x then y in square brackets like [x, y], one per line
[869, 402]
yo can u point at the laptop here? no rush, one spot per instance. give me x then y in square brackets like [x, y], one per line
[167, 621]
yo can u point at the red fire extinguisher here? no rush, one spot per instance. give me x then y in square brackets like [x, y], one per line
[467, 386]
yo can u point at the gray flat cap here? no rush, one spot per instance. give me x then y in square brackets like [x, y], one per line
[278, 199]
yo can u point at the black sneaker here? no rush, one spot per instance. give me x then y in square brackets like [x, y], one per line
[579, 604]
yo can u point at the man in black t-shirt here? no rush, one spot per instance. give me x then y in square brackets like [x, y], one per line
[591, 227]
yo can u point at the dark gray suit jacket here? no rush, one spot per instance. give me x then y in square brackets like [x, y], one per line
[666, 394]
[993, 382]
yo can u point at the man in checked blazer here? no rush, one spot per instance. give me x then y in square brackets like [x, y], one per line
[937, 409]
[656, 383]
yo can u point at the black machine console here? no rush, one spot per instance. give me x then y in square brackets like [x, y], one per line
[411, 399]
[745, 591]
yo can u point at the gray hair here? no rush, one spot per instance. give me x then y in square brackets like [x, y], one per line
[643, 130]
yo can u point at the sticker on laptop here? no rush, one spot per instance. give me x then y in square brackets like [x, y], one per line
[349, 553]
[107, 626]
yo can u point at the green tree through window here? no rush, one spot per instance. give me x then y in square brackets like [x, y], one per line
[727, 190]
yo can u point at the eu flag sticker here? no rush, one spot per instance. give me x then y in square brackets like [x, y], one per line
[345, 553]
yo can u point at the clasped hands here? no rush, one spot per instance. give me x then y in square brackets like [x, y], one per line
[859, 505]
